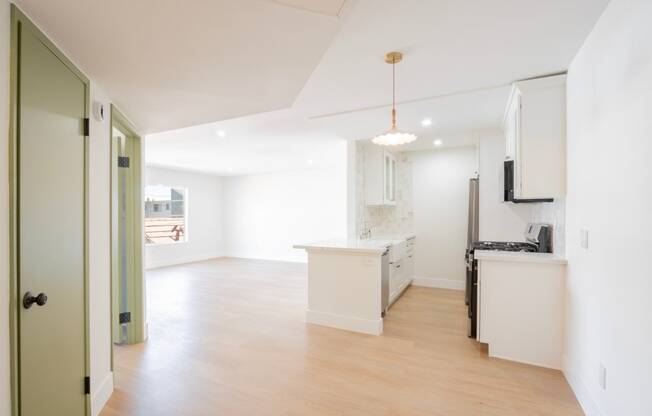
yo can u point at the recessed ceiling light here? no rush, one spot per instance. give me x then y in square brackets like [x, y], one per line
[437, 142]
[310, 161]
[426, 122]
[221, 133]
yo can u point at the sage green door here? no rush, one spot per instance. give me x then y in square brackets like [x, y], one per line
[51, 228]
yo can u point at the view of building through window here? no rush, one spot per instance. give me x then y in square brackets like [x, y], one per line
[165, 214]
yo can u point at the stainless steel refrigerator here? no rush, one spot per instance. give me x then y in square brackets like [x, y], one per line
[472, 232]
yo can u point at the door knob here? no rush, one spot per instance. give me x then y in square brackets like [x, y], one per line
[28, 300]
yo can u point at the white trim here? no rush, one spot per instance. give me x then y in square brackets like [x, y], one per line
[253, 256]
[183, 260]
[349, 323]
[439, 283]
[102, 394]
[589, 406]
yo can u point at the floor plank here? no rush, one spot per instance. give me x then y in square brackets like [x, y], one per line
[228, 337]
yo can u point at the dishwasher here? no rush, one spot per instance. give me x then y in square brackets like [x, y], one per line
[384, 282]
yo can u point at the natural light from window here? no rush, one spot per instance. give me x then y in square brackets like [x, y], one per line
[165, 214]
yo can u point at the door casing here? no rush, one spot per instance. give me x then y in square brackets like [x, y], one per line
[135, 286]
[21, 22]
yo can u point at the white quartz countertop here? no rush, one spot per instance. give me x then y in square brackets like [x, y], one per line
[371, 246]
[518, 257]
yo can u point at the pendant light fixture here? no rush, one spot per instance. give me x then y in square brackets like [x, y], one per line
[394, 137]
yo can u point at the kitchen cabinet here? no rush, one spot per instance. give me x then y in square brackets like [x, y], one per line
[535, 137]
[380, 176]
[521, 308]
[401, 268]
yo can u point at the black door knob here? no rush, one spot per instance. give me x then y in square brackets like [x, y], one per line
[28, 300]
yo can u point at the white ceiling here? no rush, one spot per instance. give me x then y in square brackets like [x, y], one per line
[169, 64]
[271, 142]
[228, 63]
[449, 46]
[284, 140]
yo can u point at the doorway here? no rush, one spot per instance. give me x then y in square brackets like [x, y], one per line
[48, 227]
[127, 283]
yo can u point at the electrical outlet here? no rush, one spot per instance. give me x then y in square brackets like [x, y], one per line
[584, 238]
[602, 377]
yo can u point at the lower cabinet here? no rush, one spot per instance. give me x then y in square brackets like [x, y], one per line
[521, 310]
[401, 270]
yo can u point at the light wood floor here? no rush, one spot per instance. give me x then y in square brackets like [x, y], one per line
[228, 337]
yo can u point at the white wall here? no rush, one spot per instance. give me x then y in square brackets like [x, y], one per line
[204, 221]
[99, 247]
[266, 214]
[99, 255]
[499, 221]
[4, 209]
[609, 319]
[440, 183]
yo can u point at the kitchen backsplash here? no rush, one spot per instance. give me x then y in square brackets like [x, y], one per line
[385, 220]
[399, 219]
[553, 213]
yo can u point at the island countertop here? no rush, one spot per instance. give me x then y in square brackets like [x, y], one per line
[371, 246]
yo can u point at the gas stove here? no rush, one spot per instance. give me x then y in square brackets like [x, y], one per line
[505, 246]
[538, 238]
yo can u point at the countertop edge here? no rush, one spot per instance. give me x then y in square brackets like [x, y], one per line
[544, 258]
[310, 248]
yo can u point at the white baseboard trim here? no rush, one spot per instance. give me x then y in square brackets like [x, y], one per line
[589, 406]
[250, 256]
[349, 323]
[183, 260]
[439, 283]
[101, 395]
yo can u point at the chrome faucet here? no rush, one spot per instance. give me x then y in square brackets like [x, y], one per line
[365, 234]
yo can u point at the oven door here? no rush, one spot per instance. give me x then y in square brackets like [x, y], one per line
[473, 301]
[469, 276]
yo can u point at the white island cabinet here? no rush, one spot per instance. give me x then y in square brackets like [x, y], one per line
[351, 283]
[521, 306]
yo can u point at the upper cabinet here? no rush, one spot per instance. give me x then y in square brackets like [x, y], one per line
[535, 137]
[380, 176]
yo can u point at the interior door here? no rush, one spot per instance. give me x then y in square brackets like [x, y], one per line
[50, 229]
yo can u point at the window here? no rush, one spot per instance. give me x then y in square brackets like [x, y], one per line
[165, 214]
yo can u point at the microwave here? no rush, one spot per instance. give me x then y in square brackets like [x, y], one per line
[508, 194]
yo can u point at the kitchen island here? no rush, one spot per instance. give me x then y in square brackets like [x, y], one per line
[349, 283]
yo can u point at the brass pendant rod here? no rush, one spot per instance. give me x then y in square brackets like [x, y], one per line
[394, 93]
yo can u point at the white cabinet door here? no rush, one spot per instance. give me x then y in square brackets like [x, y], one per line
[535, 137]
[380, 176]
[389, 173]
[395, 279]
[511, 128]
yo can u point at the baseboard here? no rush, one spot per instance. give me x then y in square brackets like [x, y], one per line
[589, 406]
[102, 394]
[250, 256]
[366, 326]
[439, 283]
[183, 260]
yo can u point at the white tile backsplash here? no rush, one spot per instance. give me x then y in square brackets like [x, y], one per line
[553, 213]
[385, 220]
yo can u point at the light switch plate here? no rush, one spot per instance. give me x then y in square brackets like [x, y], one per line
[602, 377]
[584, 238]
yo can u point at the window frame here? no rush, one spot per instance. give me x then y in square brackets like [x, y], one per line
[186, 192]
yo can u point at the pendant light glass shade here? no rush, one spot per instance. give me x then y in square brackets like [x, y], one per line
[394, 137]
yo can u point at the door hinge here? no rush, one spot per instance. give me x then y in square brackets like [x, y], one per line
[87, 385]
[123, 161]
[87, 127]
[125, 317]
